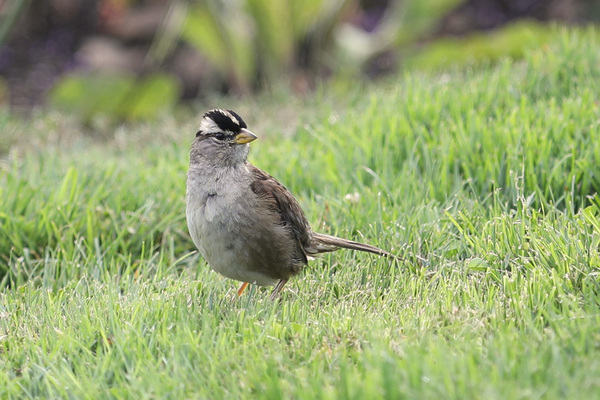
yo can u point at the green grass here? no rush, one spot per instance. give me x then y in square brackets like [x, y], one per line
[490, 174]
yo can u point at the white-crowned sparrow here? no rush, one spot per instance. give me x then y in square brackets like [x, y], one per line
[247, 226]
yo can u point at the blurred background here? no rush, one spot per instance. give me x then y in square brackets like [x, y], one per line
[132, 59]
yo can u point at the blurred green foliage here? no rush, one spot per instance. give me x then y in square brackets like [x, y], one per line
[421, 16]
[512, 41]
[252, 44]
[121, 96]
[249, 38]
[260, 40]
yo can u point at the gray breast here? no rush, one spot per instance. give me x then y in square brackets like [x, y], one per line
[235, 236]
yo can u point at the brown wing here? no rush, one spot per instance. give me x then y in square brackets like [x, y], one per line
[281, 201]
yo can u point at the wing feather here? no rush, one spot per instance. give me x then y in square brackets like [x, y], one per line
[281, 201]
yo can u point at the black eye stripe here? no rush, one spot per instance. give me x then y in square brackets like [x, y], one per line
[221, 136]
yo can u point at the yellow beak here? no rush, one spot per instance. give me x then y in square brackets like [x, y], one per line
[245, 136]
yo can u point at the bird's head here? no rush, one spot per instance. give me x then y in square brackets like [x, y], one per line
[222, 138]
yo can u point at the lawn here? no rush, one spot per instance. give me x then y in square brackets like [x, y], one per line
[489, 172]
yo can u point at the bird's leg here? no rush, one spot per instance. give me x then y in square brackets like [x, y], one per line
[241, 289]
[278, 288]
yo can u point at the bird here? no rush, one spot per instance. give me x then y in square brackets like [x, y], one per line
[248, 226]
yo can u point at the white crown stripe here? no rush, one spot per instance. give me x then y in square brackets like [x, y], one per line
[228, 115]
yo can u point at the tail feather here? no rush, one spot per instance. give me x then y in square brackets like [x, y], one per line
[323, 243]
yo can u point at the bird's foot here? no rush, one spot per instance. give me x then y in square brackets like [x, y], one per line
[278, 288]
[241, 289]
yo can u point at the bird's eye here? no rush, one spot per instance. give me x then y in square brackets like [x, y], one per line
[220, 136]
